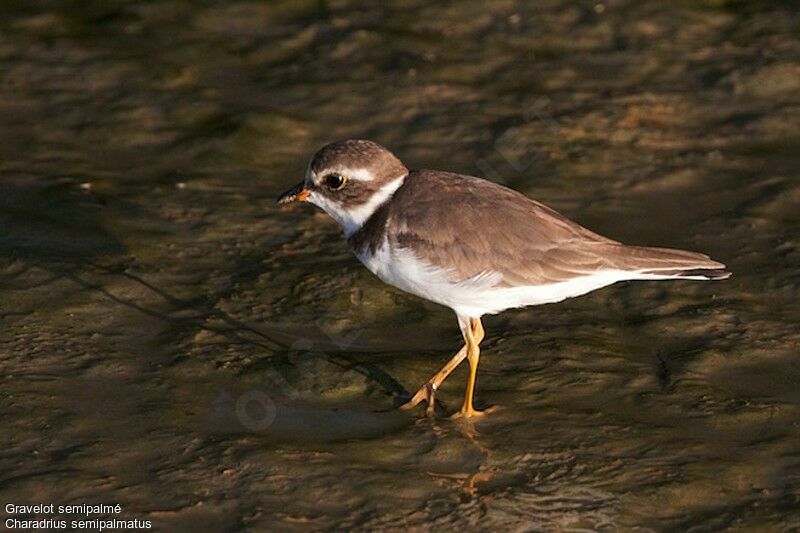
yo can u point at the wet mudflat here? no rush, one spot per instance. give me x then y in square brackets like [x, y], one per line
[174, 342]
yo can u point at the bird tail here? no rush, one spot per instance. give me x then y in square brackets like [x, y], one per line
[667, 263]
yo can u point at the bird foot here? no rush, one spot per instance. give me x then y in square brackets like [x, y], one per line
[471, 412]
[427, 393]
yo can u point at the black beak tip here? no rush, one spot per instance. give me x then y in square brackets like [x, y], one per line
[292, 194]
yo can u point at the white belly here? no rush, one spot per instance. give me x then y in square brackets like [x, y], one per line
[478, 295]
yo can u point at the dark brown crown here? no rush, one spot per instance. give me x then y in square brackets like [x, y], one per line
[358, 154]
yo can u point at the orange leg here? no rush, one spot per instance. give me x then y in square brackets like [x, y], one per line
[473, 332]
[473, 335]
[428, 391]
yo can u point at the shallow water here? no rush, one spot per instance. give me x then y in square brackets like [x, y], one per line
[174, 342]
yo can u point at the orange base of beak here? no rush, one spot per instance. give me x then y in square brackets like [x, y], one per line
[298, 193]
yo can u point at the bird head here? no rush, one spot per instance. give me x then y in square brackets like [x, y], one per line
[349, 180]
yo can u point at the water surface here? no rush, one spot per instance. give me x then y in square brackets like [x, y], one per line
[174, 342]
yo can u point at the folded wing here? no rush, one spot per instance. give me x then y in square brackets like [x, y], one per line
[486, 228]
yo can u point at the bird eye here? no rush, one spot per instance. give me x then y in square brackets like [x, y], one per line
[335, 181]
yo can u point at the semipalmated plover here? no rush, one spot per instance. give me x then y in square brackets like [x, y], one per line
[470, 244]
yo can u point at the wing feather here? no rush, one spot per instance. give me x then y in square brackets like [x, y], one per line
[469, 226]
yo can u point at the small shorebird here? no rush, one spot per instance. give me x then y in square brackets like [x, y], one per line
[470, 244]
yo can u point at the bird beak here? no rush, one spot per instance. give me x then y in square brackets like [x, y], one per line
[298, 193]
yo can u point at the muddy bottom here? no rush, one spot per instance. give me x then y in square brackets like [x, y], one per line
[173, 342]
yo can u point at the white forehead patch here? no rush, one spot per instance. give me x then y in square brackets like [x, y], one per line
[357, 174]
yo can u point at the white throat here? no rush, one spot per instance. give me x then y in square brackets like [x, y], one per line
[353, 218]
